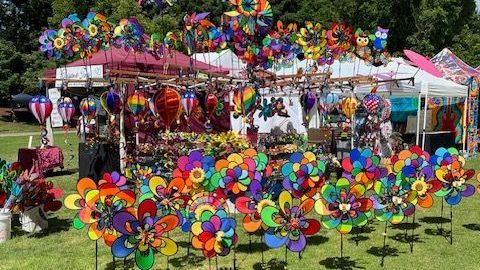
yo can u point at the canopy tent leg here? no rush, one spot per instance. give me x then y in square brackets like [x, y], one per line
[417, 140]
[425, 108]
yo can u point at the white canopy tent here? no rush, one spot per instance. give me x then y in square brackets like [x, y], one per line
[224, 59]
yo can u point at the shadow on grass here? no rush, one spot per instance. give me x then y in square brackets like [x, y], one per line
[344, 263]
[273, 264]
[255, 247]
[384, 252]
[400, 237]
[360, 234]
[472, 227]
[62, 173]
[121, 264]
[438, 232]
[192, 260]
[55, 225]
[435, 220]
[405, 226]
[317, 240]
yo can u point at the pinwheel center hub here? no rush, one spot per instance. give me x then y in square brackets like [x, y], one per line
[197, 175]
[420, 186]
[458, 182]
[397, 200]
[295, 223]
[219, 236]
[146, 236]
[345, 207]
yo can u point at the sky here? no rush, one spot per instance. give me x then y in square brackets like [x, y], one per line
[478, 4]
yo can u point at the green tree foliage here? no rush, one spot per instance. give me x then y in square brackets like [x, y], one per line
[426, 26]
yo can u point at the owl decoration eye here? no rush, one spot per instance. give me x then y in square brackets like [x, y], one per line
[384, 36]
[378, 34]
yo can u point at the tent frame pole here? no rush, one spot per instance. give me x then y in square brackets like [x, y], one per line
[425, 108]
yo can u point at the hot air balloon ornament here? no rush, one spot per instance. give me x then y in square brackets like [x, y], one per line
[308, 101]
[349, 105]
[189, 103]
[66, 109]
[111, 102]
[167, 103]
[211, 103]
[245, 102]
[41, 107]
[88, 108]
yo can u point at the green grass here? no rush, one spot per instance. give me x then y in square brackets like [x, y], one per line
[10, 127]
[62, 247]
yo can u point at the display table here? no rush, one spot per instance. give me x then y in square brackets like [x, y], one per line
[96, 159]
[40, 160]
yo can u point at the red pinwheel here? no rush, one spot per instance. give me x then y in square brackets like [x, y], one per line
[143, 234]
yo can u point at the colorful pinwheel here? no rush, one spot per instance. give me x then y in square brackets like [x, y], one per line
[288, 225]
[303, 174]
[168, 196]
[196, 171]
[362, 167]
[343, 207]
[238, 171]
[313, 40]
[129, 33]
[98, 205]
[143, 234]
[252, 14]
[199, 203]
[339, 39]
[393, 199]
[452, 175]
[214, 233]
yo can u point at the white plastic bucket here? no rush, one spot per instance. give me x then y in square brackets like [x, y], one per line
[34, 219]
[5, 225]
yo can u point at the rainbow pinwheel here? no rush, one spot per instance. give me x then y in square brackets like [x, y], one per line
[262, 194]
[252, 14]
[450, 171]
[114, 178]
[288, 225]
[313, 40]
[195, 33]
[303, 174]
[196, 171]
[238, 171]
[143, 234]
[339, 39]
[393, 199]
[129, 33]
[412, 165]
[214, 233]
[343, 207]
[156, 46]
[98, 205]
[141, 175]
[168, 196]
[50, 44]
[199, 203]
[362, 167]
[99, 29]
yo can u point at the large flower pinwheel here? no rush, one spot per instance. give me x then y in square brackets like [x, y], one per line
[252, 14]
[393, 199]
[343, 207]
[313, 40]
[168, 196]
[339, 39]
[288, 225]
[425, 185]
[453, 176]
[214, 233]
[362, 167]
[49, 42]
[408, 164]
[129, 33]
[238, 171]
[141, 175]
[114, 178]
[198, 203]
[303, 174]
[143, 233]
[252, 206]
[98, 205]
[98, 28]
[196, 171]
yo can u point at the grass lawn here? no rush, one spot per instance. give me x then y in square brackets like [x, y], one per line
[10, 127]
[62, 247]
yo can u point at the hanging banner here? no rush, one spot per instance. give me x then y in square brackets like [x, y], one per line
[81, 74]
[472, 119]
[54, 95]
